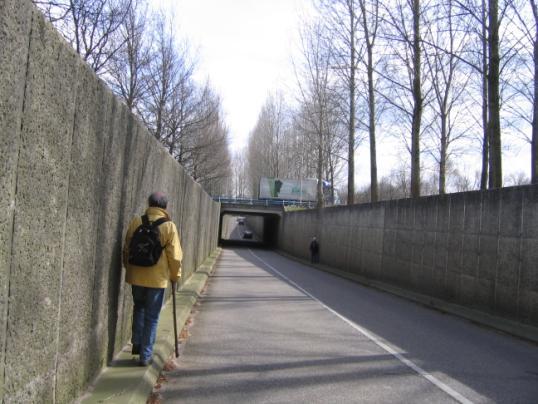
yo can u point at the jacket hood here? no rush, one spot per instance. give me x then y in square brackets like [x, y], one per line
[157, 212]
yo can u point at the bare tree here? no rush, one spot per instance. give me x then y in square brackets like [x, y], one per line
[280, 144]
[534, 153]
[494, 59]
[169, 83]
[525, 86]
[209, 162]
[516, 179]
[342, 24]
[91, 26]
[264, 144]
[370, 19]
[127, 74]
[314, 80]
[240, 175]
[474, 14]
[494, 107]
[267, 137]
[445, 43]
[404, 36]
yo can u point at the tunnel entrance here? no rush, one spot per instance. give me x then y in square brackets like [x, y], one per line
[248, 229]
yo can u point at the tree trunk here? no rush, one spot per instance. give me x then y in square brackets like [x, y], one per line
[351, 134]
[417, 107]
[320, 172]
[494, 124]
[442, 160]
[534, 142]
[369, 38]
[331, 176]
[374, 193]
[485, 141]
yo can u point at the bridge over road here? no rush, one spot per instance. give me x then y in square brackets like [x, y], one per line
[262, 215]
[272, 330]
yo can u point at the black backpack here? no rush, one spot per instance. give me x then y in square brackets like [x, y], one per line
[145, 247]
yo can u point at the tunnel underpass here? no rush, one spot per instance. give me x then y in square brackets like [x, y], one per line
[250, 229]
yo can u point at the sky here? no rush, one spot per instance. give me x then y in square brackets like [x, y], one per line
[244, 47]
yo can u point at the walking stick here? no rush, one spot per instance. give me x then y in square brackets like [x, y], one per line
[175, 317]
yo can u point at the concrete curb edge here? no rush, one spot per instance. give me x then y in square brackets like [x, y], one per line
[124, 381]
[519, 330]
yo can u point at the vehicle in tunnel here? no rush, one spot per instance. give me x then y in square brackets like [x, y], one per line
[249, 229]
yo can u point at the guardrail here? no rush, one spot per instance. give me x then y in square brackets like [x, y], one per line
[264, 202]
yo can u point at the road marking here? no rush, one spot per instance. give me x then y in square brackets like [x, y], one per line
[376, 340]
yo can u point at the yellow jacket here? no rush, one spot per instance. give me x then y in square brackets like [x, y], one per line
[169, 265]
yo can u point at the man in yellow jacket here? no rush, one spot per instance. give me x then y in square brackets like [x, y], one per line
[149, 282]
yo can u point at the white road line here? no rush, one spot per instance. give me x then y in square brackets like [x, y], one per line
[377, 340]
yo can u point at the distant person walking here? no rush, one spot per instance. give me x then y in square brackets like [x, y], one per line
[314, 251]
[152, 256]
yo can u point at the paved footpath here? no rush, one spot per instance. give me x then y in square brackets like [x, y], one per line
[271, 330]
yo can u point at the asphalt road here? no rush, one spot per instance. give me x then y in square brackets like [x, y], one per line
[271, 330]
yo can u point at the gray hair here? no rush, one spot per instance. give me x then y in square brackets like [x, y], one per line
[158, 200]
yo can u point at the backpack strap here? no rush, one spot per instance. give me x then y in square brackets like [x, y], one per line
[146, 222]
[159, 221]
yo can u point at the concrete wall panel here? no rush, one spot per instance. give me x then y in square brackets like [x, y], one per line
[507, 279]
[406, 214]
[428, 250]
[15, 24]
[484, 297]
[80, 237]
[443, 213]
[529, 260]
[39, 222]
[473, 209]
[199, 240]
[488, 250]
[110, 227]
[441, 251]
[490, 219]
[511, 206]
[529, 217]
[137, 175]
[470, 255]
[417, 241]
[528, 304]
[190, 217]
[455, 232]
[391, 214]
[120, 300]
[467, 290]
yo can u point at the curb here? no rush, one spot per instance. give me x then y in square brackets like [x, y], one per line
[126, 382]
[513, 328]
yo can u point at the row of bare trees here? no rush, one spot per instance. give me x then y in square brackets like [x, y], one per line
[138, 54]
[441, 77]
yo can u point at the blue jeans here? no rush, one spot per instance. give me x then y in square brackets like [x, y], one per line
[147, 307]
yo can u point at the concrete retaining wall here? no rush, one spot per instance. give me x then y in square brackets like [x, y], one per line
[76, 166]
[476, 249]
